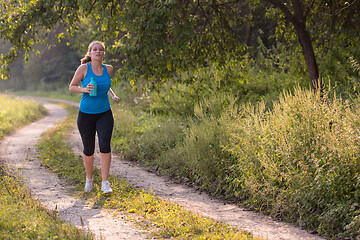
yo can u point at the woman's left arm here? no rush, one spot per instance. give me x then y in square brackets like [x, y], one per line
[113, 96]
[111, 93]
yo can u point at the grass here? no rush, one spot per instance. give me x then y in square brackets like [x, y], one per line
[300, 160]
[16, 112]
[63, 94]
[21, 217]
[297, 160]
[162, 218]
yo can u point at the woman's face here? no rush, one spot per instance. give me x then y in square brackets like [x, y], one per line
[97, 52]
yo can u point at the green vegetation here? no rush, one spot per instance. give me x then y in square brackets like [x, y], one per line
[300, 160]
[297, 161]
[217, 94]
[51, 70]
[155, 39]
[21, 217]
[15, 112]
[164, 219]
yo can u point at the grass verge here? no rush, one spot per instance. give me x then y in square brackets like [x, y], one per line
[21, 217]
[162, 218]
[16, 112]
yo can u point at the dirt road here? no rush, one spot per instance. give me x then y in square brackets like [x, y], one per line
[19, 153]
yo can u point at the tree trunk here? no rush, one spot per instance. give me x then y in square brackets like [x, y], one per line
[298, 19]
[309, 55]
[247, 34]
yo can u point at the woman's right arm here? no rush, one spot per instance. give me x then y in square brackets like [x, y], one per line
[75, 82]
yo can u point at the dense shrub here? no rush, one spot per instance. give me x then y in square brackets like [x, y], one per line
[300, 161]
[144, 136]
[293, 155]
[172, 99]
[200, 157]
[297, 161]
[246, 80]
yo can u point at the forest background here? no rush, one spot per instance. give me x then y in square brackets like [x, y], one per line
[253, 101]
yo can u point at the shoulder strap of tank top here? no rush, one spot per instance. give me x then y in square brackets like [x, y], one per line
[105, 69]
[89, 70]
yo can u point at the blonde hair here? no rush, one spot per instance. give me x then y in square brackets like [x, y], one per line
[87, 58]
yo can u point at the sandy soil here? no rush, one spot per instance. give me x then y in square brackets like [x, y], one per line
[19, 154]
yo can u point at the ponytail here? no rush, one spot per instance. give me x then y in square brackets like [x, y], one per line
[86, 59]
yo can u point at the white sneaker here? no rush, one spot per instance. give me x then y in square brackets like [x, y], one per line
[88, 185]
[105, 187]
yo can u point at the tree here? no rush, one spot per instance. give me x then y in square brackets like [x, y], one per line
[156, 38]
[27, 23]
[294, 12]
[302, 13]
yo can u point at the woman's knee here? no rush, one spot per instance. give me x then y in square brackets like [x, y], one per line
[88, 152]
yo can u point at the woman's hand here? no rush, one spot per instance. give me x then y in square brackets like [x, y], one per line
[116, 99]
[89, 88]
[113, 96]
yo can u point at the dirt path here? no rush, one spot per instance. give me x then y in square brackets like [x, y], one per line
[100, 222]
[19, 154]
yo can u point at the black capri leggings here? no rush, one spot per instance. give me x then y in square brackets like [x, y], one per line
[89, 124]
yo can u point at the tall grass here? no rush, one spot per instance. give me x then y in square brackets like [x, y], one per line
[200, 157]
[15, 112]
[300, 161]
[297, 161]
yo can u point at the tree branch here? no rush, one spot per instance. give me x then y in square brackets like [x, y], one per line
[279, 4]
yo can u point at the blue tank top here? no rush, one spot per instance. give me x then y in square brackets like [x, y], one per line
[99, 103]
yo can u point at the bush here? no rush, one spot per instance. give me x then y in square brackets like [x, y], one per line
[247, 80]
[125, 131]
[294, 157]
[144, 136]
[200, 157]
[173, 99]
[300, 161]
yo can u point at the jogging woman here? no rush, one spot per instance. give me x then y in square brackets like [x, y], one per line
[95, 115]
